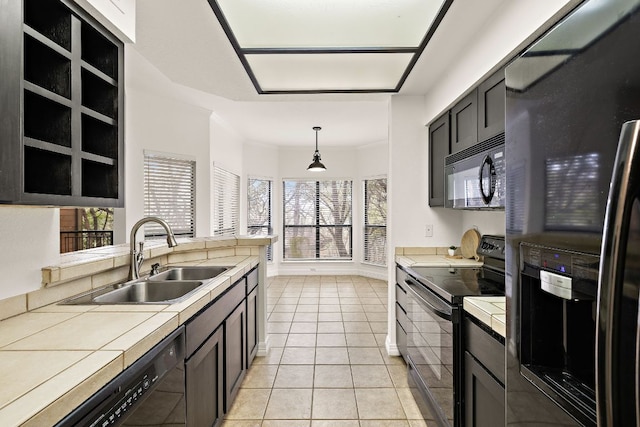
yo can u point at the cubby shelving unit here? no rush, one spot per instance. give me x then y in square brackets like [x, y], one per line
[62, 105]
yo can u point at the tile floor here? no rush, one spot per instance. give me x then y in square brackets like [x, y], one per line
[327, 365]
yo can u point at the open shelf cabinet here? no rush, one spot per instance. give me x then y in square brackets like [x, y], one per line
[61, 107]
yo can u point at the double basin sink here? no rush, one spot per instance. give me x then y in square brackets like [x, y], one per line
[168, 287]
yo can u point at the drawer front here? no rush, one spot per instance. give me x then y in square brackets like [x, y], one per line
[487, 349]
[401, 340]
[401, 276]
[252, 280]
[401, 287]
[208, 320]
[401, 317]
[401, 296]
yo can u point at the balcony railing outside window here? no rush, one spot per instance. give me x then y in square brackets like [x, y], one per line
[78, 240]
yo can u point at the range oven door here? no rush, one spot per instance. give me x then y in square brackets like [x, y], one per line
[433, 329]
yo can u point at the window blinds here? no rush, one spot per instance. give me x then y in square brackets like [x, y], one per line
[169, 193]
[226, 197]
[317, 219]
[259, 209]
[375, 221]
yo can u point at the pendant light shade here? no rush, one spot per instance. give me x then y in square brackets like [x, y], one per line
[316, 165]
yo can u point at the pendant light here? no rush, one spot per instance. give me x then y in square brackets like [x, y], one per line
[316, 166]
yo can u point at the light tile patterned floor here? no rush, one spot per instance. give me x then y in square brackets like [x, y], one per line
[327, 366]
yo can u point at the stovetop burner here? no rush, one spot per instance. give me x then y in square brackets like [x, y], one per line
[453, 284]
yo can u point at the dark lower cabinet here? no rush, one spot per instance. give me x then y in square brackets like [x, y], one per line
[234, 352]
[484, 363]
[252, 316]
[252, 325]
[217, 341]
[205, 382]
[402, 322]
[484, 396]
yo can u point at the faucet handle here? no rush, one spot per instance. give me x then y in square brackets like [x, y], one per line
[155, 269]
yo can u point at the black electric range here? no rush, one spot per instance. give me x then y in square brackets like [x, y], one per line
[453, 284]
[435, 335]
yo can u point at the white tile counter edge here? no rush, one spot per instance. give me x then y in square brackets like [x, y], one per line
[489, 310]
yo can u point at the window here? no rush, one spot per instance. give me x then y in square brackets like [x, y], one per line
[259, 209]
[226, 195]
[170, 194]
[85, 228]
[317, 219]
[375, 221]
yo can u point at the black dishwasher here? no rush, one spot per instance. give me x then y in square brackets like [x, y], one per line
[149, 392]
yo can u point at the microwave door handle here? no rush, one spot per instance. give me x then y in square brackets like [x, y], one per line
[488, 161]
[622, 203]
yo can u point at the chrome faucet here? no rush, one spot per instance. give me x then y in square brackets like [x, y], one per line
[136, 256]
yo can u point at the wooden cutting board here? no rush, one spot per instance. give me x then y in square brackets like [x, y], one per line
[469, 244]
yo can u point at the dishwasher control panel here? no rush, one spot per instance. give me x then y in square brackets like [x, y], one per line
[131, 391]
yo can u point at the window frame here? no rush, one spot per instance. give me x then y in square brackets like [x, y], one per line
[366, 225]
[318, 227]
[269, 225]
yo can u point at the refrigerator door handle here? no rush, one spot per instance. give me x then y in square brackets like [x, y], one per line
[638, 367]
[621, 202]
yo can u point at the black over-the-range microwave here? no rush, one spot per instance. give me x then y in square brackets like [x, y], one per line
[475, 177]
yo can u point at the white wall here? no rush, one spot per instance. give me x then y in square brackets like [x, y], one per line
[510, 26]
[159, 122]
[29, 240]
[119, 16]
[409, 203]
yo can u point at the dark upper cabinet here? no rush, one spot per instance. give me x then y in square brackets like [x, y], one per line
[491, 101]
[464, 122]
[438, 149]
[475, 118]
[61, 107]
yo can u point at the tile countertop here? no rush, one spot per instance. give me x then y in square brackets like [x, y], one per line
[435, 260]
[489, 310]
[55, 357]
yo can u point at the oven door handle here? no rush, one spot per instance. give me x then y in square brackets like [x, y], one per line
[444, 311]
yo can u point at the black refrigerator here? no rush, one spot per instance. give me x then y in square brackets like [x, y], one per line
[573, 222]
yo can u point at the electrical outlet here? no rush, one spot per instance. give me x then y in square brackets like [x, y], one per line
[428, 230]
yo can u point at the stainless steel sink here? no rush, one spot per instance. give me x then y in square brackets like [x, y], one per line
[190, 273]
[140, 292]
[149, 291]
[167, 287]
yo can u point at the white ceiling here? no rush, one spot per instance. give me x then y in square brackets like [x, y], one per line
[184, 40]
